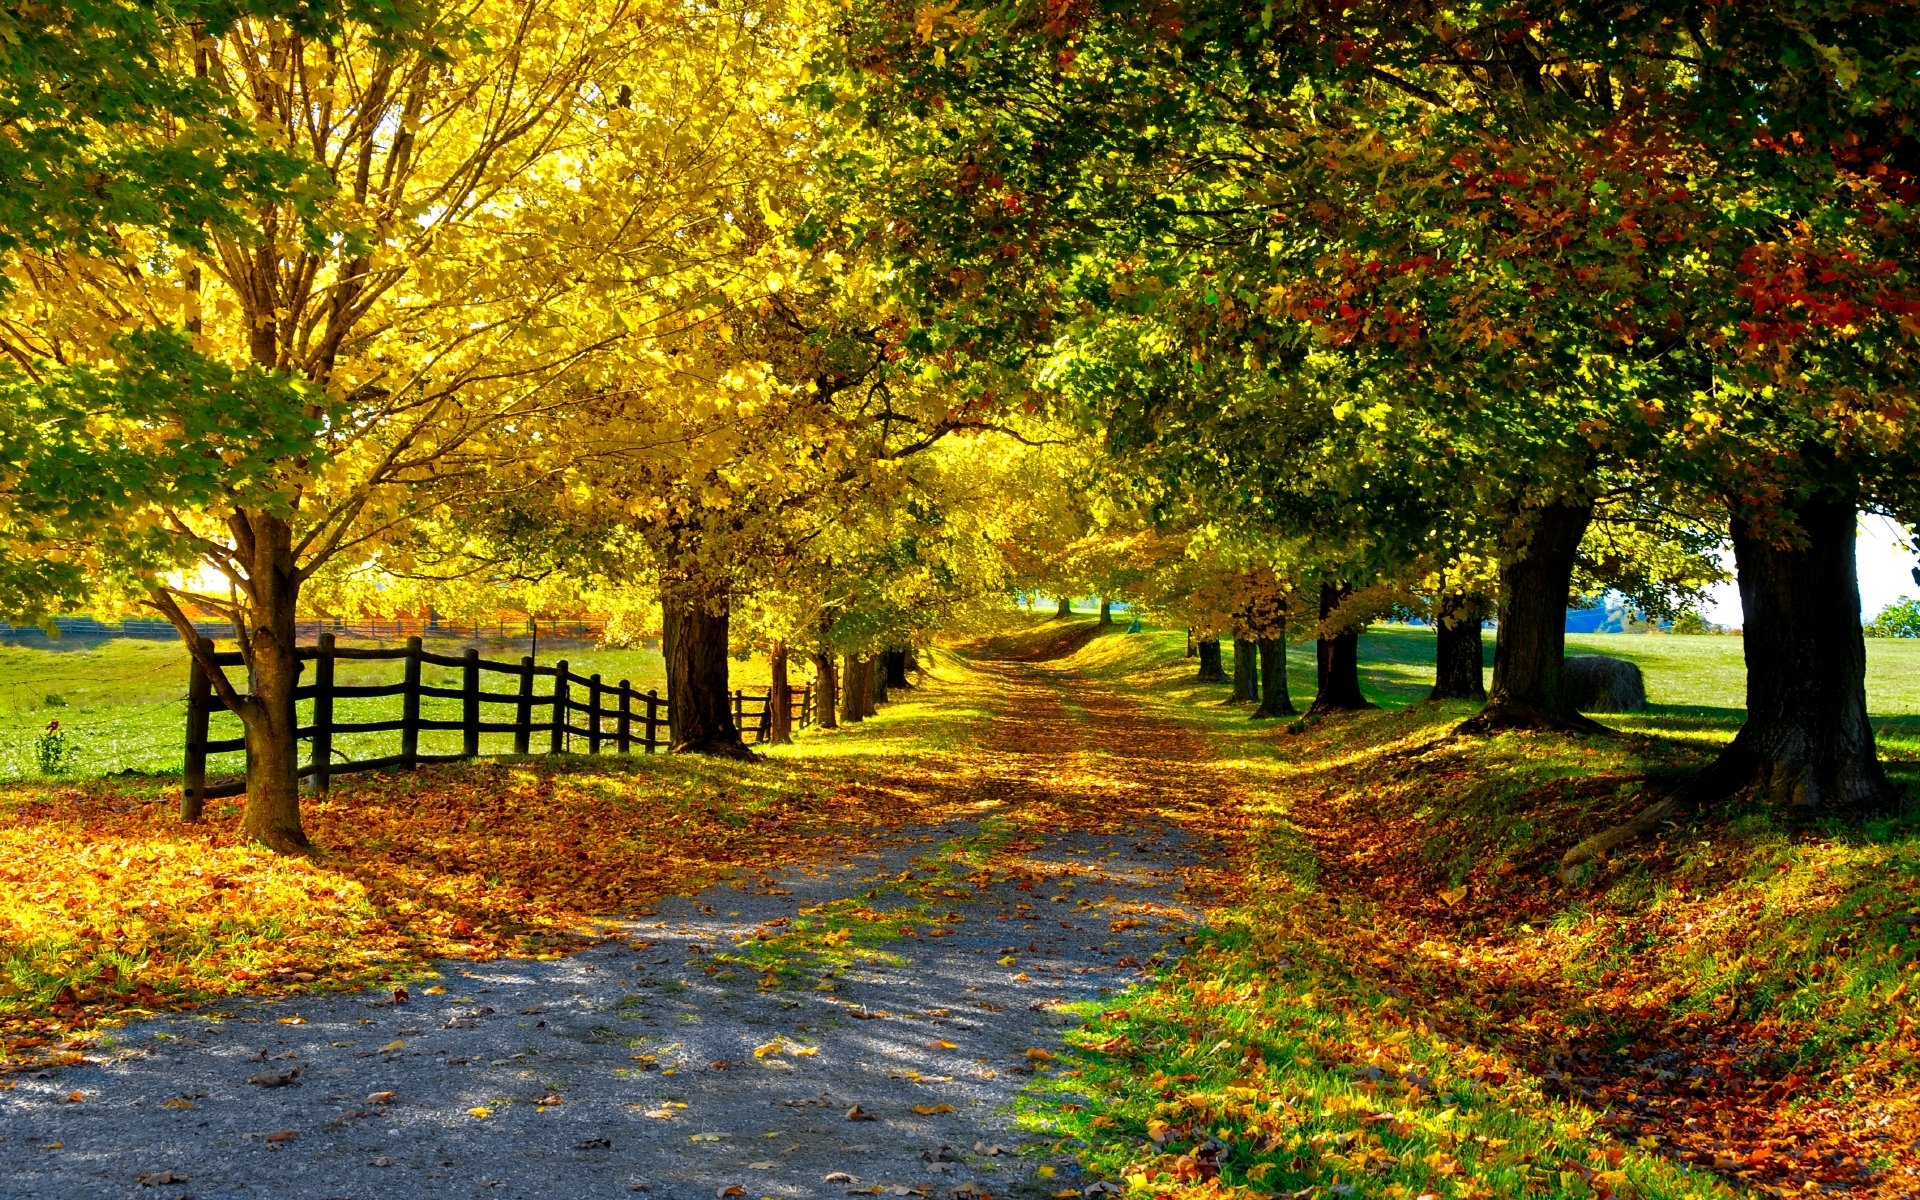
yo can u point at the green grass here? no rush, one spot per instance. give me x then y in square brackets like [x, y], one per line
[124, 702]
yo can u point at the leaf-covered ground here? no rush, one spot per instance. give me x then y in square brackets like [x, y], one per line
[1391, 996]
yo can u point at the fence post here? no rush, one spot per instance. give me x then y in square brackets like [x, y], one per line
[626, 717]
[559, 742]
[322, 772]
[470, 703]
[653, 720]
[410, 708]
[766, 719]
[739, 711]
[593, 714]
[193, 791]
[523, 716]
[806, 705]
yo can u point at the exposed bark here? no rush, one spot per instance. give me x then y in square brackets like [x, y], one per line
[1106, 612]
[1807, 744]
[1531, 643]
[1274, 698]
[693, 638]
[1246, 677]
[779, 697]
[877, 680]
[1458, 658]
[1211, 670]
[896, 661]
[854, 691]
[1336, 659]
[271, 814]
[1064, 611]
[1191, 651]
[826, 690]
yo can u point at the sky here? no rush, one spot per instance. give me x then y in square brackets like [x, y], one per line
[1885, 553]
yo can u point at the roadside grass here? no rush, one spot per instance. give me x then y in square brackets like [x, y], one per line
[1730, 992]
[122, 701]
[109, 907]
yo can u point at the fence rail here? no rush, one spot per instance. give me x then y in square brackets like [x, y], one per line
[613, 716]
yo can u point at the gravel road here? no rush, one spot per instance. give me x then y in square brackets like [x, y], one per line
[631, 1067]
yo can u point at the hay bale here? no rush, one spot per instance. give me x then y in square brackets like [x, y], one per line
[1596, 683]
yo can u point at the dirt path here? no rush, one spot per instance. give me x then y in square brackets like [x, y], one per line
[915, 991]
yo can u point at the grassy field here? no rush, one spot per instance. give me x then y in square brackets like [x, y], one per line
[122, 702]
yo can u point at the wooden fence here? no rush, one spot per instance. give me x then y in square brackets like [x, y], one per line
[617, 718]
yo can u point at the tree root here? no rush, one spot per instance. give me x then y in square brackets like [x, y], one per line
[1500, 718]
[734, 749]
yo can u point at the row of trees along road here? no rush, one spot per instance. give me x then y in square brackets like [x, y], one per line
[1295, 315]
[1435, 296]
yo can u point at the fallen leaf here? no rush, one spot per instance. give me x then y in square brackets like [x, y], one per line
[942, 1044]
[438, 989]
[707, 1137]
[762, 1166]
[480, 1112]
[1036, 1054]
[158, 1178]
[839, 1177]
[176, 1102]
[856, 1113]
[285, 1135]
[381, 1097]
[76, 1097]
[735, 1190]
[1007, 961]
[274, 1079]
[928, 1110]
[395, 1044]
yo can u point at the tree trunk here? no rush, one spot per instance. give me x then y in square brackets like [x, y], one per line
[1106, 612]
[897, 669]
[1457, 656]
[1336, 658]
[1210, 669]
[877, 680]
[1246, 681]
[1531, 642]
[699, 704]
[826, 690]
[1274, 698]
[271, 814]
[1191, 651]
[1065, 610]
[1807, 744]
[853, 688]
[779, 698]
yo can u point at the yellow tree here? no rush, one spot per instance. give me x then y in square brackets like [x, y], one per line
[382, 329]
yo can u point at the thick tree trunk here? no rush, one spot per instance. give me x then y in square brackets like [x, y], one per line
[854, 691]
[271, 814]
[699, 704]
[1065, 610]
[1210, 669]
[1336, 659]
[1106, 612]
[826, 690]
[1531, 643]
[1807, 744]
[1457, 656]
[779, 697]
[1274, 698]
[1246, 681]
[877, 680]
[897, 669]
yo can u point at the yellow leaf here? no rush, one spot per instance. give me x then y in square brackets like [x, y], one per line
[928, 1110]
[438, 989]
[1036, 1054]
[942, 1044]
[395, 1044]
[176, 1104]
[1007, 961]
[479, 1112]
[773, 1047]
